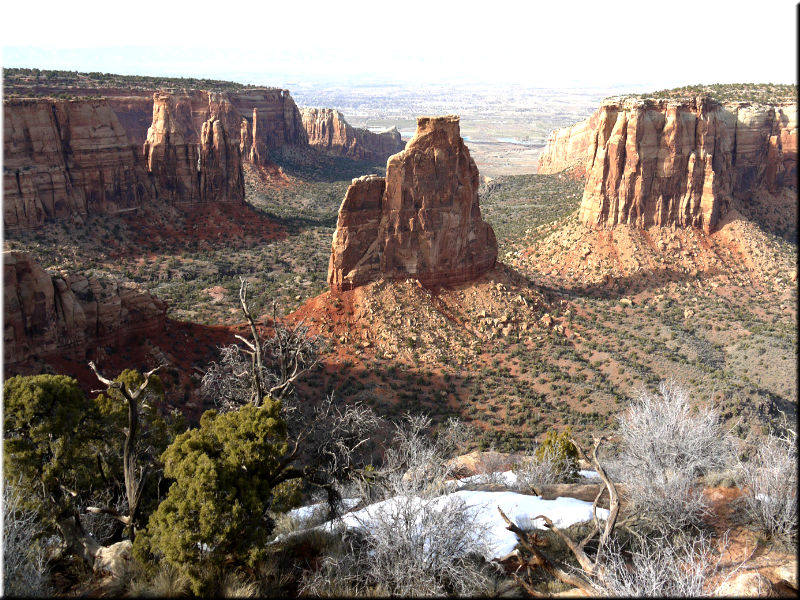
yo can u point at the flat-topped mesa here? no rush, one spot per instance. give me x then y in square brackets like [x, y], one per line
[422, 221]
[328, 130]
[67, 159]
[568, 148]
[677, 162]
[49, 315]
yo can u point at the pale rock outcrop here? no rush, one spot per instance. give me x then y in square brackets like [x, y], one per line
[328, 130]
[683, 162]
[193, 168]
[47, 315]
[115, 560]
[568, 148]
[65, 158]
[172, 159]
[423, 221]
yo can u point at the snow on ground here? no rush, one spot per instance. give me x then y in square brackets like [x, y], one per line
[304, 513]
[589, 474]
[506, 478]
[495, 540]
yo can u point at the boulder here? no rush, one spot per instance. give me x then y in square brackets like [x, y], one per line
[746, 584]
[115, 560]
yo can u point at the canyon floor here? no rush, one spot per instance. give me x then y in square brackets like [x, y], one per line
[570, 324]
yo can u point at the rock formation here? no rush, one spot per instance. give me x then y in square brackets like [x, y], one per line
[568, 148]
[172, 159]
[65, 158]
[677, 162]
[422, 221]
[47, 315]
[328, 130]
[681, 163]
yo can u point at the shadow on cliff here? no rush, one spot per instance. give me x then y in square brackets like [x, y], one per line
[308, 164]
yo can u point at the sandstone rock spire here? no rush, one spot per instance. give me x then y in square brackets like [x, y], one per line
[421, 221]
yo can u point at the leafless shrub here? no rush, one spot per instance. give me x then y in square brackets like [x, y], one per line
[419, 542]
[416, 464]
[414, 546]
[770, 479]
[661, 568]
[533, 472]
[249, 371]
[664, 447]
[24, 553]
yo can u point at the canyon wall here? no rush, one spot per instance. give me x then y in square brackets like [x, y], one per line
[65, 158]
[47, 315]
[568, 148]
[682, 163]
[328, 130]
[75, 158]
[422, 221]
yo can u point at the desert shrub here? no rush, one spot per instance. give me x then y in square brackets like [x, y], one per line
[664, 447]
[555, 460]
[413, 546]
[24, 552]
[660, 568]
[419, 542]
[770, 482]
[217, 509]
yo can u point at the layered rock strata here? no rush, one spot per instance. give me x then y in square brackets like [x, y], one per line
[47, 315]
[676, 162]
[328, 130]
[74, 158]
[421, 221]
[65, 158]
[681, 163]
[568, 148]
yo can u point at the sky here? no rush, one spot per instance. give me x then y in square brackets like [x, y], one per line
[544, 44]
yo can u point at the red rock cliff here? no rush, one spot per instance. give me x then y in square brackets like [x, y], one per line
[422, 221]
[328, 130]
[67, 157]
[681, 163]
[46, 315]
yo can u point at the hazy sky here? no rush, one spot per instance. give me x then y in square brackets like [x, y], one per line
[556, 43]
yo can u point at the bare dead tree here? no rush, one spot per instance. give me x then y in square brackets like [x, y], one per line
[260, 367]
[592, 568]
[135, 475]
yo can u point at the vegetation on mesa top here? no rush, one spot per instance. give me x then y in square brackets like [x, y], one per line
[763, 93]
[24, 82]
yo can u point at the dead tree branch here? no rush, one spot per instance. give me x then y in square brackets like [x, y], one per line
[133, 485]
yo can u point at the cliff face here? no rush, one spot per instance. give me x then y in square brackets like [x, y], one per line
[73, 158]
[678, 162]
[170, 157]
[421, 221]
[47, 315]
[328, 130]
[568, 148]
[64, 158]
[682, 163]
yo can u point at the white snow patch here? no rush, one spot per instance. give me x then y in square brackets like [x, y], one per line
[589, 474]
[304, 513]
[499, 542]
[506, 478]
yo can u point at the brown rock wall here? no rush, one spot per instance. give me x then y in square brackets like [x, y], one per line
[328, 130]
[47, 315]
